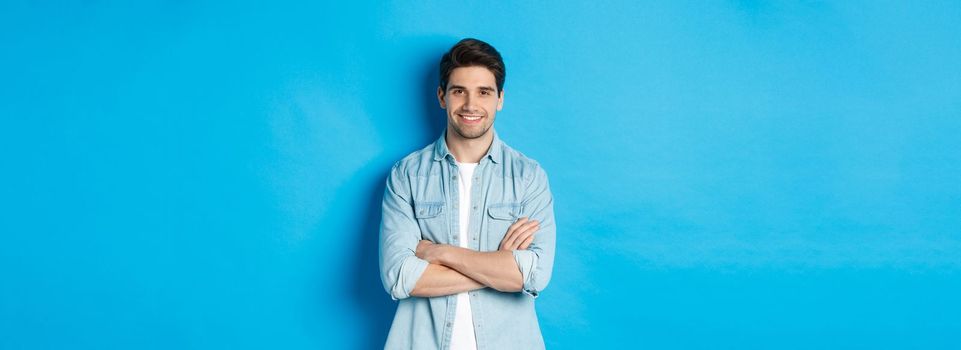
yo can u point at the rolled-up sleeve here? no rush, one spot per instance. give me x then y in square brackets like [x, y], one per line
[400, 268]
[537, 261]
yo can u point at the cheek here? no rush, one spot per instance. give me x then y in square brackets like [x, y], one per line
[493, 107]
[453, 104]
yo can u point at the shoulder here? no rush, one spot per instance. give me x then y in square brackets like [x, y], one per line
[520, 164]
[415, 163]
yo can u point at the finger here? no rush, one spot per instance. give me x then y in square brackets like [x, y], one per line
[521, 233]
[510, 240]
[420, 249]
[423, 243]
[524, 235]
[526, 243]
[511, 229]
[515, 225]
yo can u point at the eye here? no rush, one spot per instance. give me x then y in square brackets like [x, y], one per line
[485, 92]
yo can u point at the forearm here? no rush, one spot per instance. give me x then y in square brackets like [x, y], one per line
[439, 280]
[495, 269]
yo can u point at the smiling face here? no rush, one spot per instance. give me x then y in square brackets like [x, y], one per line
[471, 101]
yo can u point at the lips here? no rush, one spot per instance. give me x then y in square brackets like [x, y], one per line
[470, 119]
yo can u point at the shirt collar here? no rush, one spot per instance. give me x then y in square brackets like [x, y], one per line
[495, 153]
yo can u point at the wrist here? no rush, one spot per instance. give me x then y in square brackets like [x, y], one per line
[448, 255]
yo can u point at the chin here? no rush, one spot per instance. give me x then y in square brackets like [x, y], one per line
[470, 135]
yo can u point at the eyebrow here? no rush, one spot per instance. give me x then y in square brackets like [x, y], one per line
[461, 87]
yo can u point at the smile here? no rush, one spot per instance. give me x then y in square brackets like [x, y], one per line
[470, 118]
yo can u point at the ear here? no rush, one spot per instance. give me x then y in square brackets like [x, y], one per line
[440, 98]
[500, 101]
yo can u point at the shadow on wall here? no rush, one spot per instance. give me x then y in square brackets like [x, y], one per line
[367, 290]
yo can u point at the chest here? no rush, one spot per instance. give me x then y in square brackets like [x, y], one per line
[496, 200]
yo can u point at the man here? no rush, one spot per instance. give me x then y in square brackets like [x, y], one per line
[467, 237]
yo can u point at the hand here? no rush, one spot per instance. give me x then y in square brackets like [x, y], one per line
[520, 234]
[429, 251]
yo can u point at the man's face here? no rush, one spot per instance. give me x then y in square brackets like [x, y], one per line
[471, 101]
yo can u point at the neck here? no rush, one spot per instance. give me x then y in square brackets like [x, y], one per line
[468, 150]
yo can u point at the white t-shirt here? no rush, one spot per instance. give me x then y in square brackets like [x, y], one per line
[462, 333]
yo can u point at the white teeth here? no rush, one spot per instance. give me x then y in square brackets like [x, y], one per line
[470, 118]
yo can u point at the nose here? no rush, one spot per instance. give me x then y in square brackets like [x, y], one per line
[468, 106]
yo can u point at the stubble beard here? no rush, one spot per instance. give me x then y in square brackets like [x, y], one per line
[468, 134]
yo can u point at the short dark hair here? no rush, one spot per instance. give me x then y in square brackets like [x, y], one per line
[472, 52]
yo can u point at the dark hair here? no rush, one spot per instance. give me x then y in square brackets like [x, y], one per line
[472, 52]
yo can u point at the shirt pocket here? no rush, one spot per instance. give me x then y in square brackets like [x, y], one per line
[499, 218]
[431, 220]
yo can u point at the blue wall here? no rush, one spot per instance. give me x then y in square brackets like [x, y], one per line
[734, 174]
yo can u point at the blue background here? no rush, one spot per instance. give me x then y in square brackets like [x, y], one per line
[728, 174]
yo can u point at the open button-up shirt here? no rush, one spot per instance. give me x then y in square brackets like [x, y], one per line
[421, 202]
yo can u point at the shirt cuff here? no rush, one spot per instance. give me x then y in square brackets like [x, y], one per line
[410, 271]
[526, 262]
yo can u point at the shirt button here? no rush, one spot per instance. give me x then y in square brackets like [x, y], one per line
[475, 207]
[448, 324]
[454, 177]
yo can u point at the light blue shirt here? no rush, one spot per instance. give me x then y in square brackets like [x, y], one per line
[420, 202]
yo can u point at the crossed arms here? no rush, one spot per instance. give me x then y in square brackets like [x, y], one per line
[454, 269]
[410, 266]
